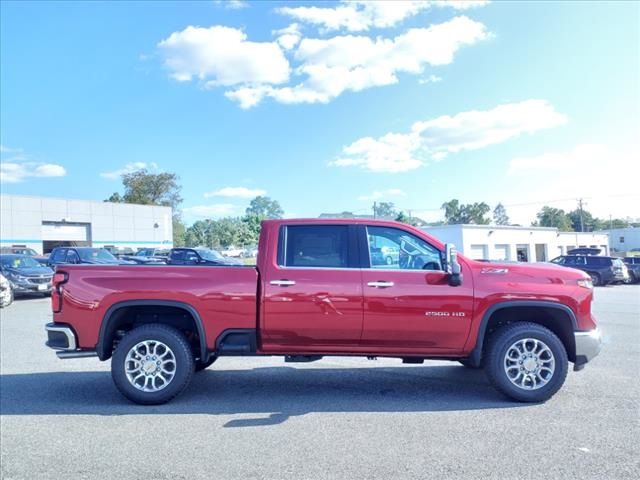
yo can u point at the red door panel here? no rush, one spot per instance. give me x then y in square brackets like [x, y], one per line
[419, 311]
[320, 311]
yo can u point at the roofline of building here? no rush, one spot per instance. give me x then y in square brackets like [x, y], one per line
[80, 200]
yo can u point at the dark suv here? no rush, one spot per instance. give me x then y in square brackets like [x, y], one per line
[199, 256]
[71, 255]
[633, 265]
[602, 270]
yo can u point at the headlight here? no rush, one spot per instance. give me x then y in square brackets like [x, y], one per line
[585, 283]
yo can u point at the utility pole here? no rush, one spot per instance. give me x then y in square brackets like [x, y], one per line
[581, 218]
[375, 209]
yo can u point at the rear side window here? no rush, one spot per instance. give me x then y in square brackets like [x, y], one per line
[599, 261]
[316, 246]
[177, 254]
[58, 255]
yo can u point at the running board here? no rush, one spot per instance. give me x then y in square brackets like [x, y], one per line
[301, 358]
[77, 354]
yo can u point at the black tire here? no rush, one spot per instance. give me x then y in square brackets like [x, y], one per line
[184, 363]
[388, 260]
[595, 279]
[465, 363]
[499, 344]
[204, 365]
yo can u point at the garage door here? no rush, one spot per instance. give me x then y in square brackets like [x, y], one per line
[65, 232]
[478, 252]
[501, 252]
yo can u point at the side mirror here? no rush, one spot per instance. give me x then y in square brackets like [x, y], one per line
[451, 265]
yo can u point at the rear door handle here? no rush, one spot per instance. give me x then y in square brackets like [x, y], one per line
[380, 284]
[282, 283]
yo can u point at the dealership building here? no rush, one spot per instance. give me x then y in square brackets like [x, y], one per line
[529, 244]
[43, 223]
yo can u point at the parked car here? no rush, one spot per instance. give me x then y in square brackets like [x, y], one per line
[633, 265]
[313, 293]
[199, 256]
[233, 252]
[384, 256]
[6, 292]
[250, 252]
[161, 253]
[25, 274]
[42, 259]
[634, 252]
[90, 255]
[602, 270]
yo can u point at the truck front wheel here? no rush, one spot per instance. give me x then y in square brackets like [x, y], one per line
[152, 364]
[526, 362]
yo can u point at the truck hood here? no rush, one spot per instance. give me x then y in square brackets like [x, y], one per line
[30, 272]
[536, 272]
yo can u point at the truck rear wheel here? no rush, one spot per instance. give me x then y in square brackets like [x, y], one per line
[526, 361]
[152, 364]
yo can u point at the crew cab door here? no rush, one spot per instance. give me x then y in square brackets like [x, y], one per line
[408, 304]
[312, 291]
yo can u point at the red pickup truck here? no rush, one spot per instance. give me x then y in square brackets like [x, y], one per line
[329, 287]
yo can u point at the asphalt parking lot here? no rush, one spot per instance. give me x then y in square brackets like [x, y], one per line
[338, 418]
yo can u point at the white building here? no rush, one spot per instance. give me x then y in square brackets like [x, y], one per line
[43, 223]
[623, 239]
[531, 244]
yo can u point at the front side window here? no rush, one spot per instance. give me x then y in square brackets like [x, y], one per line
[392, 248]
[58, 255]
[558, 260]
[97, 255]
[72, 257]
[324, 246]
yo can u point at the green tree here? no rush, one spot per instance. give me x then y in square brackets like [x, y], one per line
[163, 189]
[414, 221]
[385, 210]
[554, 217]
[500, 216]
[264, 207]
[457, 213]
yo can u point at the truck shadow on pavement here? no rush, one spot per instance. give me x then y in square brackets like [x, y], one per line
[262, 396]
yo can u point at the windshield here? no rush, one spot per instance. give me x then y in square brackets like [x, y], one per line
[210, 255]
[97, 255]
[19, 262]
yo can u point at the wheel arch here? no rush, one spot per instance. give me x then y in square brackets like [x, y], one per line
[120, 313]
[558, 318]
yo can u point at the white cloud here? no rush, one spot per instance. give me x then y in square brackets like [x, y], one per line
[14, 172]
[430, 79]
[129, 168]
[236, 192]
[232, 4]
[18, 166]
[327, 67]
[358, 16]
[216, 210]
[383, 194]
[354, 63]
[585, 156]
[288, 37]
[223, 56]
[435, 139]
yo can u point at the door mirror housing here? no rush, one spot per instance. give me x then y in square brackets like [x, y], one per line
[451, 265]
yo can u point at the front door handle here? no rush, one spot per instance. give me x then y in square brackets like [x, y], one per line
[380, 284]
[282, 283]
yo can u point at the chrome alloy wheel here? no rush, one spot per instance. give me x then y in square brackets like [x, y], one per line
[529, 364]
[150, 366]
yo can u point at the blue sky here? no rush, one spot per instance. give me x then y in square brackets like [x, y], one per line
[329, 108]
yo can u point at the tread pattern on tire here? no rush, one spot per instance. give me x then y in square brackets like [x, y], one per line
[155, 398]
[494, 357]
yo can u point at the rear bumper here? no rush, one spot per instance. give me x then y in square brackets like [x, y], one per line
[588, 345]
[62, 338]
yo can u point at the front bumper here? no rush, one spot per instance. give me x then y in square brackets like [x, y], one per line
[588, 345]
[27, 286]
[62, 338]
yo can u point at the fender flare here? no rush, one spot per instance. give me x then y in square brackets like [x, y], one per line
[101, 349]
[475, 357]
